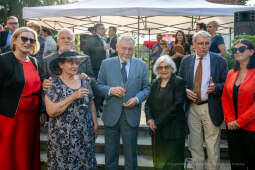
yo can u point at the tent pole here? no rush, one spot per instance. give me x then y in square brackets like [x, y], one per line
[230, 32]
[149, 48]
[138, 35]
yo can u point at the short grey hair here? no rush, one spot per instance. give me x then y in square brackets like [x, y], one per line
[126, 38]
[66, 30]
[204, 34]
[164, 58]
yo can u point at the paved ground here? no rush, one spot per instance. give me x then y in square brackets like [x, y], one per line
[143, 119]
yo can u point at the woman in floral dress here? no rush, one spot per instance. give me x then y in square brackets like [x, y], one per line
[73, 122]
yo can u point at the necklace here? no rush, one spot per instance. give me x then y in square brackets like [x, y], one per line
[26, 59]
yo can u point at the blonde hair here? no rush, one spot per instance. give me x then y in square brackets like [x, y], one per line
[16, 34]
[214, 24]
[34, 24]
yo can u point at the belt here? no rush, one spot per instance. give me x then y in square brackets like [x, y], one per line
[201, 102]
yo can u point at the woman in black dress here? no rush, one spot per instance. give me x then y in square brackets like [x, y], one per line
[165, 116]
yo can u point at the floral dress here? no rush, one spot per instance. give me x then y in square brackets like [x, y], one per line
[71, 140]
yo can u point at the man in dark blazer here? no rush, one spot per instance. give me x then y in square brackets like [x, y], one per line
[112, 41]
[5, 36]
[124, 82]
[97, 48]
[205, 74]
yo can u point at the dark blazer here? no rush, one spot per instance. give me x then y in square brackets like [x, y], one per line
[95, 49]
[219, 71]
[168, 112]
[12, 83]
[3, 38]
[113, 46]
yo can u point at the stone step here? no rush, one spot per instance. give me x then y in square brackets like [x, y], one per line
[144, 162]
[143, 129]
[144, 145]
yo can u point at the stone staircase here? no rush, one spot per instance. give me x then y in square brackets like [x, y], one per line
[144, 150]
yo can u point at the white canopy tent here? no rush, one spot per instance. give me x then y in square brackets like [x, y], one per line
[133, 16]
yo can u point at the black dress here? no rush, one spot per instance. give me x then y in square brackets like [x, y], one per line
[165, 107]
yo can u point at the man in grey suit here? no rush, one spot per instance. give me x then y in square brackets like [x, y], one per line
[205, 74]
[123, 81]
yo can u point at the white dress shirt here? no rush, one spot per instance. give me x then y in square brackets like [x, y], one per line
[206, 73]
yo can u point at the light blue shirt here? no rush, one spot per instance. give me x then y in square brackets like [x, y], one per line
[127, 67]
[8, 40]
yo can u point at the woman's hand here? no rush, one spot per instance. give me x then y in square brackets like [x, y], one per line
[233, 125]
[152, 125]
[43, 118]
[178, 55]
[80, 93]
[95, 130]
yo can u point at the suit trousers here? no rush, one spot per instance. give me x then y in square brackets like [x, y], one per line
[202, 128]
[241, 147]
[112, 144]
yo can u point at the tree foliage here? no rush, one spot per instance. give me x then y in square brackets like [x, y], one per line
[14, 7]
[243, 2]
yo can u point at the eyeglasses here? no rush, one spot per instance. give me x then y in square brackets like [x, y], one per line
[25, 39]
[203, 43]
[240, 49]
[13, 23]
[160, 68]
[125, 48]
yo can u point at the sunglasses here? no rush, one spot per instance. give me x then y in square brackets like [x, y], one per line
[13, 23]
[163, 68]
[240, 49]
[25, 39]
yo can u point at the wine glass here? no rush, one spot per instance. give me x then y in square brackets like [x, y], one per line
[84, 100]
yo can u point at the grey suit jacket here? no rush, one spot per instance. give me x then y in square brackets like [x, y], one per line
[137, 85]
[219, 70]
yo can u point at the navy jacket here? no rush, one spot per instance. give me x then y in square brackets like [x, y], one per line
[219, 71]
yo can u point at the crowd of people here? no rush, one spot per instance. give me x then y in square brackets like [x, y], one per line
[192, 92]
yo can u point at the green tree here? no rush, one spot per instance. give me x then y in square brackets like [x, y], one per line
[243, 2]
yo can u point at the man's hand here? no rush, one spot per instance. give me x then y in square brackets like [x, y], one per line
[107, 46]
[152, 125]
[211, 88]
[46, 84]
[191, 95]
[130, 103]
[83, 76]
[155, 50]
[118, 92]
